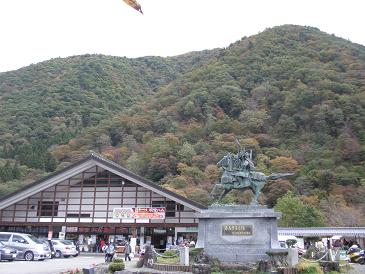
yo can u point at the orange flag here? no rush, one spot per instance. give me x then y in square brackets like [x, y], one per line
[134, 4]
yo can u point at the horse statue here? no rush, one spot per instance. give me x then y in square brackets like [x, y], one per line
[239, 173]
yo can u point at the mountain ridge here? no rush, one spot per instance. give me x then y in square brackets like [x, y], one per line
[293, 94]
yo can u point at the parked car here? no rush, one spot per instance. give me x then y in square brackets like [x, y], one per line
[64, 248]
[51, 247]
[29, 247]
[77, 247]
[7, 253]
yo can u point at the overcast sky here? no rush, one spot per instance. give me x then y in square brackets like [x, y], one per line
[32, 31]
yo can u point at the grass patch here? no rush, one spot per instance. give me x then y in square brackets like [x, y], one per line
[174, 260]
[309, 268]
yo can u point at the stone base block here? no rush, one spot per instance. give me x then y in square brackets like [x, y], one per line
[238, 233]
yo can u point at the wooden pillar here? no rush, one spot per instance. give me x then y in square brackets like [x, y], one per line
[67, 198]
[93, 214]
[108, 199]
[81, 192]
[26, 212]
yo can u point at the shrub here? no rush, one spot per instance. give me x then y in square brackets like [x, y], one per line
[170, 253]
[118, 261]
[309, 268]
[114, 266]
[195, 251]
[291, 242]
[215, 269]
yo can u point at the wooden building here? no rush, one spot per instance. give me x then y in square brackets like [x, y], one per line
[96, 198]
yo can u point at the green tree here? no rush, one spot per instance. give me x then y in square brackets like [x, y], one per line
[296, 213]
[186, 153]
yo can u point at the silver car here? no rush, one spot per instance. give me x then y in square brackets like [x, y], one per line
[28, 246]
[64, 248]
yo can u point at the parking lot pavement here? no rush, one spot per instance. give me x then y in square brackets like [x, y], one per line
[50, 266]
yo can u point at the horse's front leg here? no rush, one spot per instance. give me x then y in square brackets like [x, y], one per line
[257, 191]
[224, 193]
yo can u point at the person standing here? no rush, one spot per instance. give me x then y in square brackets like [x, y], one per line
[89, 244]
[102, 244]
[109, 251]
[97, 245]
[127, 251]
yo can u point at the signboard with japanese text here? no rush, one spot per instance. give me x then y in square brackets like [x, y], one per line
[236, 230]
[132, 213]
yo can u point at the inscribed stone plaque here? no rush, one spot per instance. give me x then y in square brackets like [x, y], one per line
[236, 230]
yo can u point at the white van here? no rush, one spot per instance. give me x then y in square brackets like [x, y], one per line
[28, 246]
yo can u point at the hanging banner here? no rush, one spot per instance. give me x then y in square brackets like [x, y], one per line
[132, 213]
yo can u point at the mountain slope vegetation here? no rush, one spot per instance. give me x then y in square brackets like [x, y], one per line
[292, 94]
[51, 102]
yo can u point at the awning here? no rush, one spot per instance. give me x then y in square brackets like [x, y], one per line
[322, 231]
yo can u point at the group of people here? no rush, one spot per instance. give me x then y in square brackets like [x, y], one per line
[109, 249]
[344, 244]
[100, 243]
[337, 244]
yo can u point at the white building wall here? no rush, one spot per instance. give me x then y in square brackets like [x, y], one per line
[89, 200]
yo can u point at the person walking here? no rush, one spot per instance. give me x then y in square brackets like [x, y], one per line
[127, 251]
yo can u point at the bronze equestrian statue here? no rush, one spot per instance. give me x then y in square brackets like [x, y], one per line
[239, 173]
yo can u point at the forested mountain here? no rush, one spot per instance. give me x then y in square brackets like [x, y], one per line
[295, 95]
[51, 102]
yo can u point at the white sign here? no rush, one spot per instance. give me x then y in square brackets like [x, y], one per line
[133, 213]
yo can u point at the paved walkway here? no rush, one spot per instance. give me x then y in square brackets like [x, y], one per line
[356, 269]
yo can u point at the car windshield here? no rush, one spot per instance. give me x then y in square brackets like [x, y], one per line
[1, 244]
[34, 239]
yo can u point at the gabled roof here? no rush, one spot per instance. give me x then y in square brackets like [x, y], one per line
[84, 164]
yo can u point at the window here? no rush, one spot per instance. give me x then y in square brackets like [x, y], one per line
[47, 208]
[179, 207]
[19, 239]
[4, 237]
[76, 215]
[170, 207]
[158, 204]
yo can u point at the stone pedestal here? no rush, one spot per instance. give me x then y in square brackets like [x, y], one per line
[184, 255]
[238, 233]
[293, 257]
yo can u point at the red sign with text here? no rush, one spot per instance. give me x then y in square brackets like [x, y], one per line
[139, 213]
